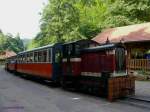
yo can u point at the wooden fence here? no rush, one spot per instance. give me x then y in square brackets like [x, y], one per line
[139, 64]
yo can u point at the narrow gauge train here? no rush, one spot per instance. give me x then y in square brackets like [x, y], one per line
[81, 65]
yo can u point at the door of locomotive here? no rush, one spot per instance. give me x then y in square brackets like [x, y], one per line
[67, 55]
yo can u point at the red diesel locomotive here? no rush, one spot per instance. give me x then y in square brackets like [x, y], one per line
[81, 65]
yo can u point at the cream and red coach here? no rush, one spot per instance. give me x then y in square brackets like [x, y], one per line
[41, 62]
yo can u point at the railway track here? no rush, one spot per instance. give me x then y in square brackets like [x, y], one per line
[137, 102]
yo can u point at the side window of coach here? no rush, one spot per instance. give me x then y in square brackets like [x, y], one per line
[27, 59]
[39, 56]
[44, 53]
[35, 56]
[50, 55]
[31, 57]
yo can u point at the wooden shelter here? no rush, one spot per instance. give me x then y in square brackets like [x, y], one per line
[136, 39]
[6, 54]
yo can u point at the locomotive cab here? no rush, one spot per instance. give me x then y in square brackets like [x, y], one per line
[72, 56]
[71, 62]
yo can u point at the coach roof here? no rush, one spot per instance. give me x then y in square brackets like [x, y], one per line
[39, 48]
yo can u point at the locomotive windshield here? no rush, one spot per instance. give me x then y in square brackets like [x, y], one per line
[71, 50]
[120, 60]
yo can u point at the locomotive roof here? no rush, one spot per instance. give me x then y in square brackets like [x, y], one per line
[101, 48]
[39, 48]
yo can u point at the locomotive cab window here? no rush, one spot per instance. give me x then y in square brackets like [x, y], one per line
[77, 50]
[120, 59]
[70, 50]
[65, 51]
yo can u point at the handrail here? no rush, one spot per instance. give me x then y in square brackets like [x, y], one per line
[138, 64]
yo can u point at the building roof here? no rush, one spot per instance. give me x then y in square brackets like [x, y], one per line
[7, 54]
[131, 33]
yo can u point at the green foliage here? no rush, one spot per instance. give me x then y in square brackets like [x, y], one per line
[60, 21]
[8, 42]
[67, 20]
[126, 12]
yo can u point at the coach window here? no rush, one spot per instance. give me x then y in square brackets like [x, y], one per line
[23, 58]
[50, 55]
[31, 57]
[44, 56]
[39, 56]
[35, 56]
[28, 56]
[19, 59]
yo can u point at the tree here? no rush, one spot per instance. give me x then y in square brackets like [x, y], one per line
[67, 20]
[19, 42]
[8, 42]
[60, 21]
[126, 12]
[92, 14]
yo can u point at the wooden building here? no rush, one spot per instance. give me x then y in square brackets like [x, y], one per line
[136, 39]
[6, 54]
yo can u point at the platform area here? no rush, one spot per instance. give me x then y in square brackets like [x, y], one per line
[21, 95]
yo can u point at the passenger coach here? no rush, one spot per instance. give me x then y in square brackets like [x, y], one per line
[10, 64]
[42, 62]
